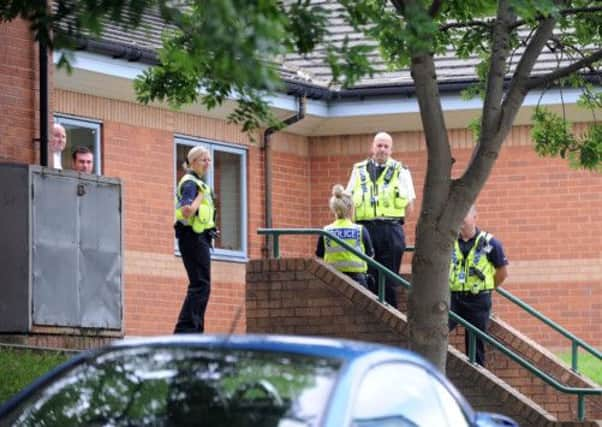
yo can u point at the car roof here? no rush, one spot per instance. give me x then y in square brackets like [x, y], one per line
[347, 350]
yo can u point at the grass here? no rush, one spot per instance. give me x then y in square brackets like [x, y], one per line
[19, 367]
[588, 365]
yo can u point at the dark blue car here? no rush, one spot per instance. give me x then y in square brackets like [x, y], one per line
[247, 380]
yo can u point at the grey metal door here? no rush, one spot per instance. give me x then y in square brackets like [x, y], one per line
[76, 252]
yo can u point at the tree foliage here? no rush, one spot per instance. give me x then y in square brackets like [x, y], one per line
[219, 49]
[214, 50]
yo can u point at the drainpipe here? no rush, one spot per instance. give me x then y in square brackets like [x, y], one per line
[43, 58]
[268, 249]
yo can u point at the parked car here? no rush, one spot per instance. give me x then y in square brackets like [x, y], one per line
[245, 380]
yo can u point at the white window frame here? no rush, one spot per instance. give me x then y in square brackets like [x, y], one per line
[90, 124]
[213, 147]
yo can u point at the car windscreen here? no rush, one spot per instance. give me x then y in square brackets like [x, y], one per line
[183, 386]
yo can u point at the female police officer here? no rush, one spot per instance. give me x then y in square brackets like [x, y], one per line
[341, 205]
[195, 225]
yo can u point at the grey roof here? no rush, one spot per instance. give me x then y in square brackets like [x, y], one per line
[307, 70]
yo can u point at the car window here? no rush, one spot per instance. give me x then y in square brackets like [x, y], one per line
[404, 395]
[185, 386]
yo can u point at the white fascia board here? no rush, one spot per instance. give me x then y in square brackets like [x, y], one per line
[373, 106]
[102, 64]
[399, 105]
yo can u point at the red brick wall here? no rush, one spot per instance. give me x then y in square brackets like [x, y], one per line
[18, 92]
[137, 146]
[335, 306]
[546, 215]
[291, 191]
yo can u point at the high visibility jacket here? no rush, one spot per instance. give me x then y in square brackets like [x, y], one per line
[205, 215]
[473, 273]
[380, 199]
[339, 257]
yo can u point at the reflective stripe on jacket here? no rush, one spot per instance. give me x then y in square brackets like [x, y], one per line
[339, 257]
[205, 215]
[475, 273]
[380, 199]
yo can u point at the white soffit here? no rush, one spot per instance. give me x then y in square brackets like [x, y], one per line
[100, 75]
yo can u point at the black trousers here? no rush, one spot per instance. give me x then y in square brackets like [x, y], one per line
[361, 278]
[389, 244]
[476, 310]
[195, 251]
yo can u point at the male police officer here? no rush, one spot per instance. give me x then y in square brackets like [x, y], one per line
[383, 192]
[478, 265]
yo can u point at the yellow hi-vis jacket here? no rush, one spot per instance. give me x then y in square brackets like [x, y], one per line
[339, 257]
[205, 216]
[380, 199]
[475, 273]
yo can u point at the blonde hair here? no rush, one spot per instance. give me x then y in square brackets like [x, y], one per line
[341, 203]
[194, 153]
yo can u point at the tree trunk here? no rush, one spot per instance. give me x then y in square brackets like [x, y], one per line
[429, 297]
[428, 303]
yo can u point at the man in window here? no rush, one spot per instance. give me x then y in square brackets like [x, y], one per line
[82, 159]
[56, 145]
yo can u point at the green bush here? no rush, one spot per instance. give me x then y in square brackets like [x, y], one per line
[19, 367]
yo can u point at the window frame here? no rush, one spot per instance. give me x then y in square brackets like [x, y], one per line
[88, 123]
[218, 146]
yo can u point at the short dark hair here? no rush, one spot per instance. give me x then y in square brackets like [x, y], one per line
[80, 149]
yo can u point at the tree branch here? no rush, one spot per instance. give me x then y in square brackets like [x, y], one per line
[451, 25]
[518, 89]
[399, 6]
[518, 23]
[437, 143]
[565, 12]
[570, 49]
[435, 8]
[488, 147]
[500, 47]
[564, 71]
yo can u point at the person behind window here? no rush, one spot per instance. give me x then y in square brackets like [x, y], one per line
[341, 205]
[195, 230]
[56, 145]
[82, 159]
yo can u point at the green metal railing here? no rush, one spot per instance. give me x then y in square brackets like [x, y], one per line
[576, 342]
[473, 332]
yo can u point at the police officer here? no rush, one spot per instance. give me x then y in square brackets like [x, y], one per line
[195, 225]
[356, 235]
[383, 192]
[478, 265]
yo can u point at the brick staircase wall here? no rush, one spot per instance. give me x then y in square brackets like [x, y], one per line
[303, 296]
[564, 406]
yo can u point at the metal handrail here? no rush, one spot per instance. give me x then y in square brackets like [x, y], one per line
[576, 342]
[581, 392]
[383, 271]
[473, 331]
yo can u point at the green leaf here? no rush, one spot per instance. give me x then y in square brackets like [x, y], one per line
[552, 137]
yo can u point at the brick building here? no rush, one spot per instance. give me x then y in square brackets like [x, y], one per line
[547, 215]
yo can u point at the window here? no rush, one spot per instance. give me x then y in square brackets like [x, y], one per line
[404, 395]
[81, 132]
[227, 177]
[183, 386]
